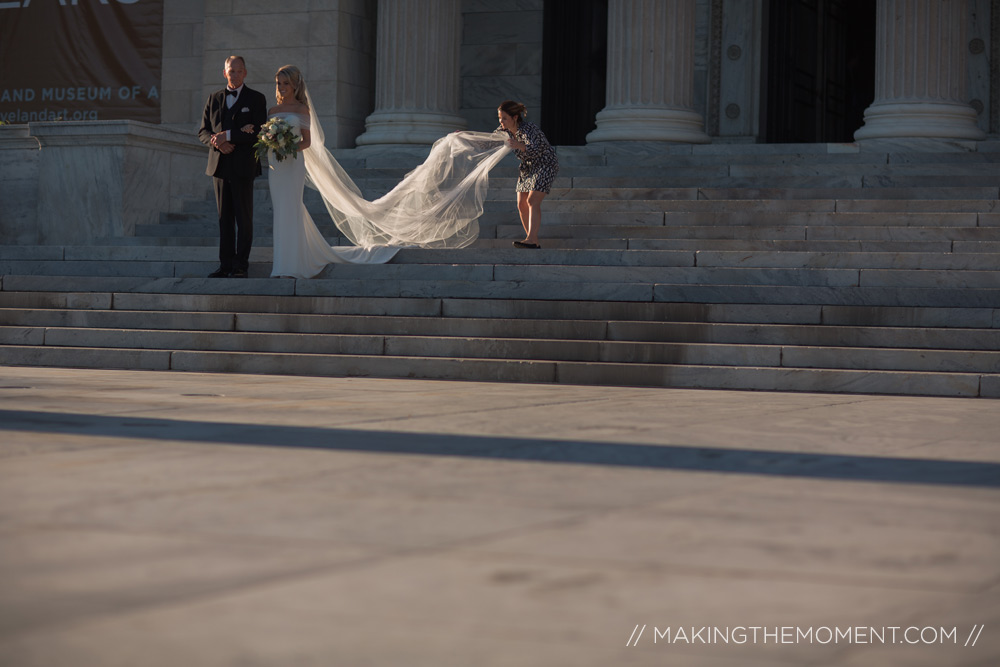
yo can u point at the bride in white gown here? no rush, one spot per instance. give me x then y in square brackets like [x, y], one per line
[437, 205]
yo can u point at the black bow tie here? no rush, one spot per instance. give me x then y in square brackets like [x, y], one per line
[234, 93]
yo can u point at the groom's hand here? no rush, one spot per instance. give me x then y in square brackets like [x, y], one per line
[226, 147]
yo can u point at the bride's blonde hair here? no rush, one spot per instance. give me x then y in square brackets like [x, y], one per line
[294, 76]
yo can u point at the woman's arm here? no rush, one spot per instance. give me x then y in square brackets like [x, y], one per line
[517, 145]
[534, 145]
[511, 141]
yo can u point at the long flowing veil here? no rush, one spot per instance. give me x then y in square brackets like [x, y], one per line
[437, 205]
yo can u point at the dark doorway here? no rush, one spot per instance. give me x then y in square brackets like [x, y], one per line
[574, 68]
[819, 74]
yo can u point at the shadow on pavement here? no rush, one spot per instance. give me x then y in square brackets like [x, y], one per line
[667, 457]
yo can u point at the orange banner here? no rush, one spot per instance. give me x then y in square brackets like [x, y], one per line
[80, 60]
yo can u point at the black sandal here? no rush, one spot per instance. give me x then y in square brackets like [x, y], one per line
[525, 244]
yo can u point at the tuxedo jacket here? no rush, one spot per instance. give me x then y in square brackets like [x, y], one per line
[250, 107]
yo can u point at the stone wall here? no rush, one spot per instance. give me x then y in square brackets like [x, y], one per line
[180, 88]
[19, 158]
[501, 59]
[331, 41]
[76, 183]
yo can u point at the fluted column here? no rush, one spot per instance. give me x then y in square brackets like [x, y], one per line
[416, 79]
[920, 72]
[650, 87]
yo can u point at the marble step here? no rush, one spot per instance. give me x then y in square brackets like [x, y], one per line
[503, 185]
[777, 230]
[810, 335]
[676, 375]
[754, 205]
[858, 180]
[621, 243]
[687, 200]
[802, 240]
[592, 188]
[655, 155]
[908, 199]
[116, 260]
[709, 258]
[736, 167]
[819, 246]
[200, 224]
[508, 309]
[787, 354]
[951, 316]
[913, 169]
[827, 254]
[789, 179]
[562, 290]
[266, 241]
[558, 213]
[672, 268]
[853, 193]
[861, 260]
[862, 246]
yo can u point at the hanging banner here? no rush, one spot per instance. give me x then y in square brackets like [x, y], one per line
[80, 60]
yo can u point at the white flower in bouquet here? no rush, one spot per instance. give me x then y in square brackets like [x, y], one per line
[278, 136]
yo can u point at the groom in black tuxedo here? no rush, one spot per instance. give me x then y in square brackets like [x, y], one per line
[233, 164]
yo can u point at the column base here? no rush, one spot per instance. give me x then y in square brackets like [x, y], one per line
[919, 120]
[408, 127]
[659, 124]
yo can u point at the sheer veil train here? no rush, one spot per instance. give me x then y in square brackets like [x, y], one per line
[437, 205]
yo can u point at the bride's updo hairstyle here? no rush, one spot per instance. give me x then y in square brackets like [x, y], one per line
[514, 109]
[294, 76]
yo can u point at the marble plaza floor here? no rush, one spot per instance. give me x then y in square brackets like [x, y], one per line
[165, 519]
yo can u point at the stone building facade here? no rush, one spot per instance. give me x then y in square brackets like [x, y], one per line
[695, 71]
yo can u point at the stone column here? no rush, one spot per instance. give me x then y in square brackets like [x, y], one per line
[416, 80]
[920, 72]
[650, 87]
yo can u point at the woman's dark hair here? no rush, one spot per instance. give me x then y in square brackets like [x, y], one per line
[515, 109]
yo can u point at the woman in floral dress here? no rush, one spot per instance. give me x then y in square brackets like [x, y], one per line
[539, 166]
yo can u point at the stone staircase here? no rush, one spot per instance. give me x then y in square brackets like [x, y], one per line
[740, 267]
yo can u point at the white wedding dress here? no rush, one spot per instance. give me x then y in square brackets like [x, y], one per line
[300, 250]
[437, 205]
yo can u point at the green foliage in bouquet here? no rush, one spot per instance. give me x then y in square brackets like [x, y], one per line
[278, 136]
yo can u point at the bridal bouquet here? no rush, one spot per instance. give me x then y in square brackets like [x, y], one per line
[277, 135]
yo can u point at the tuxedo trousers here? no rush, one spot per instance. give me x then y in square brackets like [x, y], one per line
[234, 198]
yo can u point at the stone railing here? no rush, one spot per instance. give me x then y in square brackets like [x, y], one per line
[78, 182]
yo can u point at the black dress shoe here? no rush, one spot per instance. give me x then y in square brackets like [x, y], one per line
[219, 273]
[238, 273]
